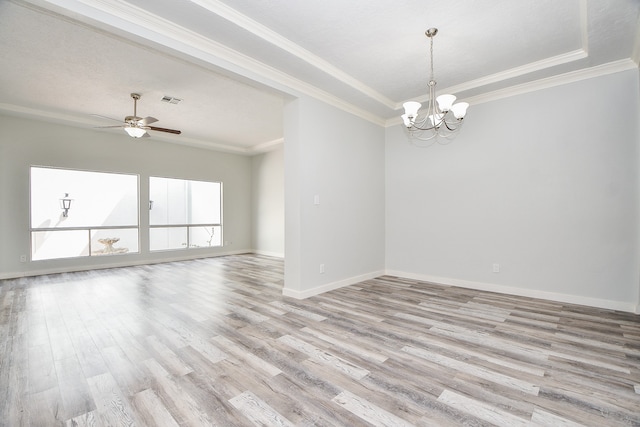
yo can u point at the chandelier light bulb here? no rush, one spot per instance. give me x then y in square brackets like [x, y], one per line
[445, 102]
[411, 109]
[459, 110]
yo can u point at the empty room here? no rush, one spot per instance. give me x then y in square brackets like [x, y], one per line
[336, 213]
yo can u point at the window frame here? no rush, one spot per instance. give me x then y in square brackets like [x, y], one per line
[188, 226]
[90, 229]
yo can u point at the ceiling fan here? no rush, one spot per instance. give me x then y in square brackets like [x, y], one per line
[135, 126]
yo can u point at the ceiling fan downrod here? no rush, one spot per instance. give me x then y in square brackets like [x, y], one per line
[133, 120]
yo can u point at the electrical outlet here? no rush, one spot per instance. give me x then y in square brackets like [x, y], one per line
[321, 268]
[23, 258]
[496, 268]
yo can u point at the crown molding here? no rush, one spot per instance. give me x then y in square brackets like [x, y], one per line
[131, 19]
[511, 73]
[532, 67]
[266, 146]
[21, 111]
[270, 36]
[548, 82]
[561, 79]
[635, 55]
[88, 124]
[202, 144]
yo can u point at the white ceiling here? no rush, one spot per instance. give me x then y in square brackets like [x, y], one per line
[234, 63]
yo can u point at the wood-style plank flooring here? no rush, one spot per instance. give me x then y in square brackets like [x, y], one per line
[214, 342]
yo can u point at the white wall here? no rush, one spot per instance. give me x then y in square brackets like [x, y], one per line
[340, 159]
[267, 171]
[24, 143]
[545, 184]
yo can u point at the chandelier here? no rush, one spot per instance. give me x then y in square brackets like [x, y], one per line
[442, 120]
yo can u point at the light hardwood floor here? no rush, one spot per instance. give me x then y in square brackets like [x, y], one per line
[213, 342]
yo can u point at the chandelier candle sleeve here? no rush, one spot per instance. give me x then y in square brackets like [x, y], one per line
[443, 117]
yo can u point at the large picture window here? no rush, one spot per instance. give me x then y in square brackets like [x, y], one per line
[80, 213]
[184, 214]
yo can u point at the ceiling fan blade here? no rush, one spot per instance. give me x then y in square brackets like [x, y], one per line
[105, 117]
[107, 127]
[147, 120]
[176, 132]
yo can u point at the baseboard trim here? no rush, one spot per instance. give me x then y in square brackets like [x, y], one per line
[128, 263]
[268, 253]
[630, 307]
[293, 293]
[523, 292]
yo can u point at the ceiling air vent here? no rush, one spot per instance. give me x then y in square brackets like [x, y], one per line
[170, 99]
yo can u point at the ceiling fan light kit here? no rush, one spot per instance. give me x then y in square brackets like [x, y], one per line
[443, 117]
[135, 132]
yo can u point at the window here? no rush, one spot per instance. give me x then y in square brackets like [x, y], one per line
[184, 214]
[102, 215]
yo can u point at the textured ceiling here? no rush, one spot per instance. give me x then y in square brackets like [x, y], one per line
[235, 63]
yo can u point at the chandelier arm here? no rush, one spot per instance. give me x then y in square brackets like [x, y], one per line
[417, 127]
[433, 138]
[452, 129]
